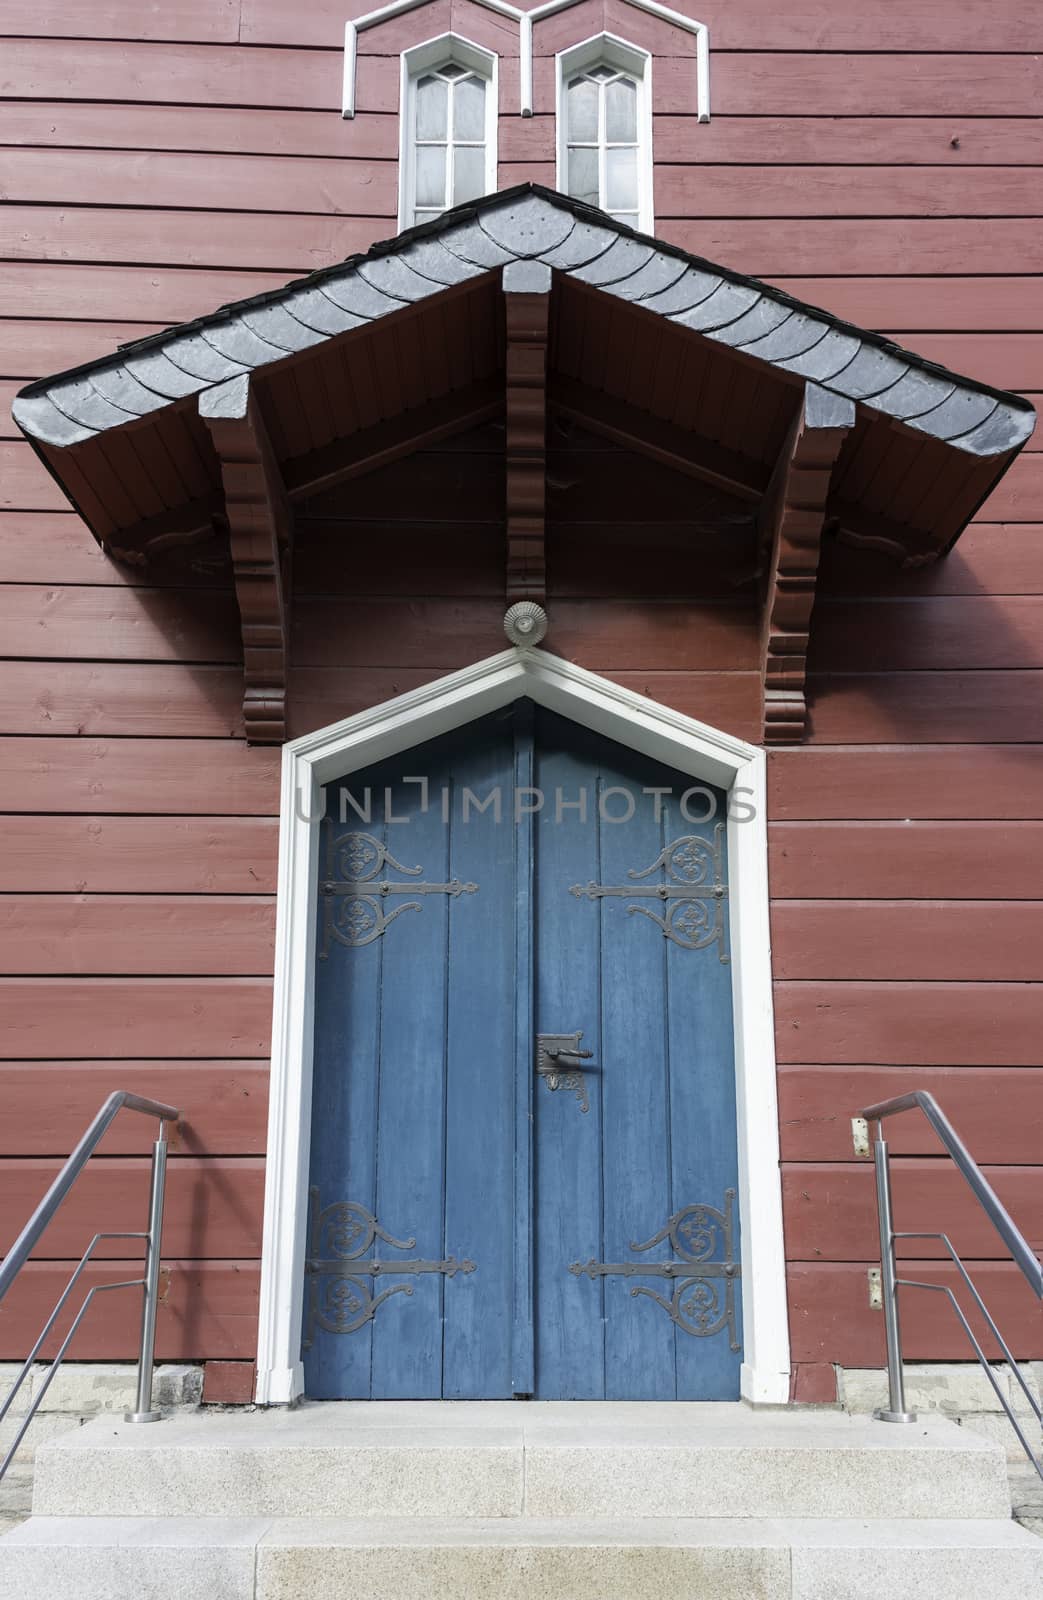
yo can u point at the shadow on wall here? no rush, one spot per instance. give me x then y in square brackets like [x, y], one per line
[945, 653]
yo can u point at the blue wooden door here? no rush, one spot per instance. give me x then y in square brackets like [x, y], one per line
[409, 1282]
[492, 1215]
[636, 1248]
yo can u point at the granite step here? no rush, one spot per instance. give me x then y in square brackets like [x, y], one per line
[220, 1558]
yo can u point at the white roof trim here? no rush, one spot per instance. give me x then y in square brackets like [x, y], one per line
[525, 20]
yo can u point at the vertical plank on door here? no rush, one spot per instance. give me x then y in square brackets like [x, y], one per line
[569, 1310]
[344, 1110]
[411, 1108]
[639, 1336]
[519, 822]
[703, 1150]
[480, 1073]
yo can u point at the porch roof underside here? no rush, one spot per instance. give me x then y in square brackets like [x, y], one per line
[697, 365]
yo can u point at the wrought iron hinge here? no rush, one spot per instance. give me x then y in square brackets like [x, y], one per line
[691, 897]
[339, 1298]
[354, 900]
[703, 1298]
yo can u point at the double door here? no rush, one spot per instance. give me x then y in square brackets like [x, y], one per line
[523, 1144]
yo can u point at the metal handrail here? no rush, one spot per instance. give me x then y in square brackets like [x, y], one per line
[1020, 1250]
[23, 1246]
[1024, 1256]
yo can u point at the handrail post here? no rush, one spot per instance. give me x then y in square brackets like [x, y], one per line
[143, 1411]
[896, 1407]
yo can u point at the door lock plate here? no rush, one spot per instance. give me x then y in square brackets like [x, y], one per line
[558, 1058]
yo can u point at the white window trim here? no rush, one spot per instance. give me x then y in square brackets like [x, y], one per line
[426, 57]
[525, 20]
[397, 726]
[612, 51]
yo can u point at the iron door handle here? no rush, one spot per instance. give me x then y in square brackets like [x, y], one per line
[561, 1063]
[558, 1053]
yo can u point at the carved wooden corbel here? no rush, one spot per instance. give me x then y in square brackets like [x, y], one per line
[260, 525]
[792, 518]
[526, 295]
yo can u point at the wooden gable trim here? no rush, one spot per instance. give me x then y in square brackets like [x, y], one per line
[792, 518]
[322, 468]
[260, 526]
[526, 299]
[388, 441]
[660, 440]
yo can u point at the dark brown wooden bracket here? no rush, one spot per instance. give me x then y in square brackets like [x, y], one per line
[260, 527]
[526, 297]
[792, 518]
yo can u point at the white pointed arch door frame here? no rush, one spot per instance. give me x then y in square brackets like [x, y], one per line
[632, 720]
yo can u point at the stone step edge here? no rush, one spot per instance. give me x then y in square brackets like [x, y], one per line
[276, 1559]
[165, 1532]
[102, 1482]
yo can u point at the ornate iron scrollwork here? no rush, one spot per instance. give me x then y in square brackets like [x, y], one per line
[693, 895]
[697, 1305]
[354, 913]
[338, 1298]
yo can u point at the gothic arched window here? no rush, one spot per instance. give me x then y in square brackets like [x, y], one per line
[448, 128]
[605, 128]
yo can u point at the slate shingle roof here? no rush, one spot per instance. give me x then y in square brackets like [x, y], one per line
[526, 223]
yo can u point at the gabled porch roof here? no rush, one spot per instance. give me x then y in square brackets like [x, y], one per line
[231, 419]
[785, 339]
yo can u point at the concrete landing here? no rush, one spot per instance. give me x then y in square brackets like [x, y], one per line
[533, 1459]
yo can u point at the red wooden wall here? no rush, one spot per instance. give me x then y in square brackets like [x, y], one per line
[160, 159]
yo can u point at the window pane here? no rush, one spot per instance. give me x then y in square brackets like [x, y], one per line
[582, 111]
[452, 71]
[468, 172]
[430, 175]
[583, 176]
[431, 94]
[621, 180]
[469, 109]
[621, 111]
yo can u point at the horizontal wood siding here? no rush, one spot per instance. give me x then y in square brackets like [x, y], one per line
[207, 1309]
[1002, 1107]
[159, 160]
[892, 940]
[830, 1212]
[193, 935]
[92, 854]
[920, 1024]
[212, 1207]
[51, 1018]
[48, 1104]
[830, 1319]
[905, 860]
